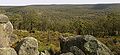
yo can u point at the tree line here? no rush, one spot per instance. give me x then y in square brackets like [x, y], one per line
[72, 20]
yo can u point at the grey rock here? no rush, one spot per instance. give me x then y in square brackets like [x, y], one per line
[7, 51]
[9, 28]
[76, 50]
[87, 43]
[68, 53]
[13, 39]
[4, 41]
[3, 18]
[6, 29]
[27, 46]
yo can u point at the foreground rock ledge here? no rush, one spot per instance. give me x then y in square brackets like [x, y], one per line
[7, 51]
[87, 43]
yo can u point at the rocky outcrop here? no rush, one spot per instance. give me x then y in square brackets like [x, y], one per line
[27, 46]
[87, 43]
[6, 29]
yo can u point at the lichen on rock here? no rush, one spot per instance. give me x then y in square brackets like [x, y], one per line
[7, 51]
[6, 29]
[87, 43]
[27, 46]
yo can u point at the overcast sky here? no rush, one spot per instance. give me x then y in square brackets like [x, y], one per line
[38, 2]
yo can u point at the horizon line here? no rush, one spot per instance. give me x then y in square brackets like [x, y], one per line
[54, 4]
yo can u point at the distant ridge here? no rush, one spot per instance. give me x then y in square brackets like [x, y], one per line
[58, 4]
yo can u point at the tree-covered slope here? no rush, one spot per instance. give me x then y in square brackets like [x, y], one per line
[47, 22]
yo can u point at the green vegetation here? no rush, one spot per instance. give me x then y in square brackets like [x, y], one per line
[113, 43]
[48, 22]
[48, 40]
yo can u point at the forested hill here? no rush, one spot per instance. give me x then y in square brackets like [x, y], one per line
[47, 23]
[80, 19]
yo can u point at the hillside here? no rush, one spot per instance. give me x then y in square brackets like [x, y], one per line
[47, 22]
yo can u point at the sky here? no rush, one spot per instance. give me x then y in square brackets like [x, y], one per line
[39, 2]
